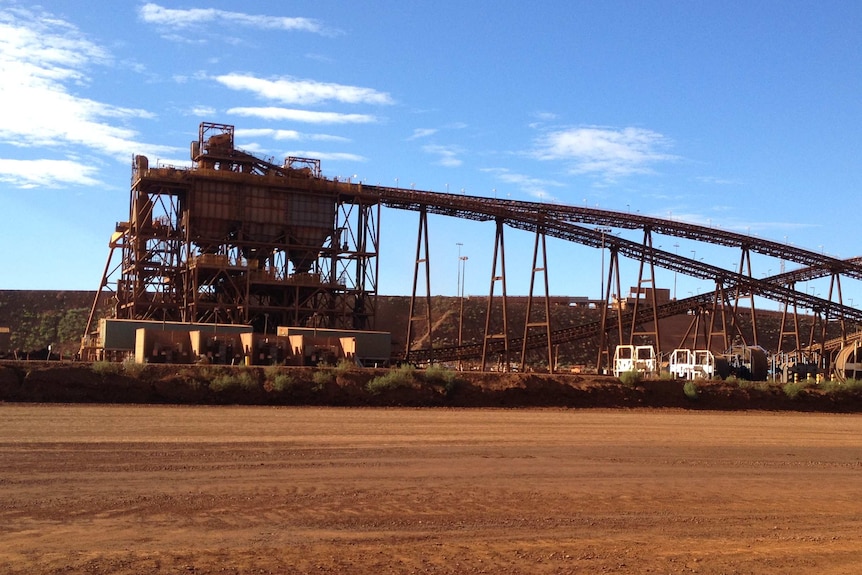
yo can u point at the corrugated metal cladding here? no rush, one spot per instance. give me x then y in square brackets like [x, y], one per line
[264, 212]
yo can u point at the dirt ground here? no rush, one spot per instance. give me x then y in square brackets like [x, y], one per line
[154, 489]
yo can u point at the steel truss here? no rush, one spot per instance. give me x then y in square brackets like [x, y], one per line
[183, 260]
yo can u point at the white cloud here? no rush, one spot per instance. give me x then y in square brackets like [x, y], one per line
[535, 187]
[203, 111]
[46, 173]
[286, 135]
[718, 181]
[422, 133]
[303, 92]
[448, 154]
[43, 60]
[183, 19]
[273, 113]
[545, 116]
[605, 152]
[335, 156]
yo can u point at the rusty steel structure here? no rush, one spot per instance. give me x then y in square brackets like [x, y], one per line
[239, 239]
[589, 227]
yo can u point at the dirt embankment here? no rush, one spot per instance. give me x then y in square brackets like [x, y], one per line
[69, 382]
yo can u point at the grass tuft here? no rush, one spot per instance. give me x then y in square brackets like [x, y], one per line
[393, 379]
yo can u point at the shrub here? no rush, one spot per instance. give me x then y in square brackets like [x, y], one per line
[852, 385]
[107, 367]
[133, 368]
[222, 382]
[393, 379]
[690, 390]
[344, 365]
[630, 378]
[792, 388]
[846, 386]
[277, 379]
[247, 379]
[242, 379]
[436, 374]
[322, 378]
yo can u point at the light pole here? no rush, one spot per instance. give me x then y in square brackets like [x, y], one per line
[676, 252]
[462, 260]
[458, 281]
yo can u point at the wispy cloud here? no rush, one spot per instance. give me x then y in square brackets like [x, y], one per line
[189, 18]
[448, 155]
[203, 111]
[303, 92]
[44, 61]
[287, 135]
[306, 116]
[535, 187]
[718, 181]
[46, 173]
[605, 152]
[334, 156]
[541, 119]
[422, 133]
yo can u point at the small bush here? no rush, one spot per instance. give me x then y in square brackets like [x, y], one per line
[223, 382]
[793, 388]
[852, 385]
[282, 382]
[107, 368]
[846, 386]
[690, 390]
[133, 368]
[277, 379]
[243, 379]
[630, 378]
[322, 378]
[247, 379]
[436, 374]
[344, 365]
[395, 378]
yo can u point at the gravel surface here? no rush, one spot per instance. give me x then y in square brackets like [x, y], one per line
[213, 490]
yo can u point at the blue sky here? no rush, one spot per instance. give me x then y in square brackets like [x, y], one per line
[742, 115]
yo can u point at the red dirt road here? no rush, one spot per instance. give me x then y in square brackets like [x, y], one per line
[121, 489]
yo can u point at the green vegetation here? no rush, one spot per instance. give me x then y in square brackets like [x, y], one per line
[436, 374]
[792, 388]
[61, 329]
[630, 378]
[690, 390]
[393, 379]
[838, 387]
[322, 378]
[241, 378]
[277, 379]
[107, 368]
[133, 368]
[345, 365]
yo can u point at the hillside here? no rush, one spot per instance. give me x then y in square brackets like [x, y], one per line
[41, 318]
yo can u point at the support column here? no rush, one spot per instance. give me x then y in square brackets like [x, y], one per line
[499, 250]
[421, 258]
[546, 325]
